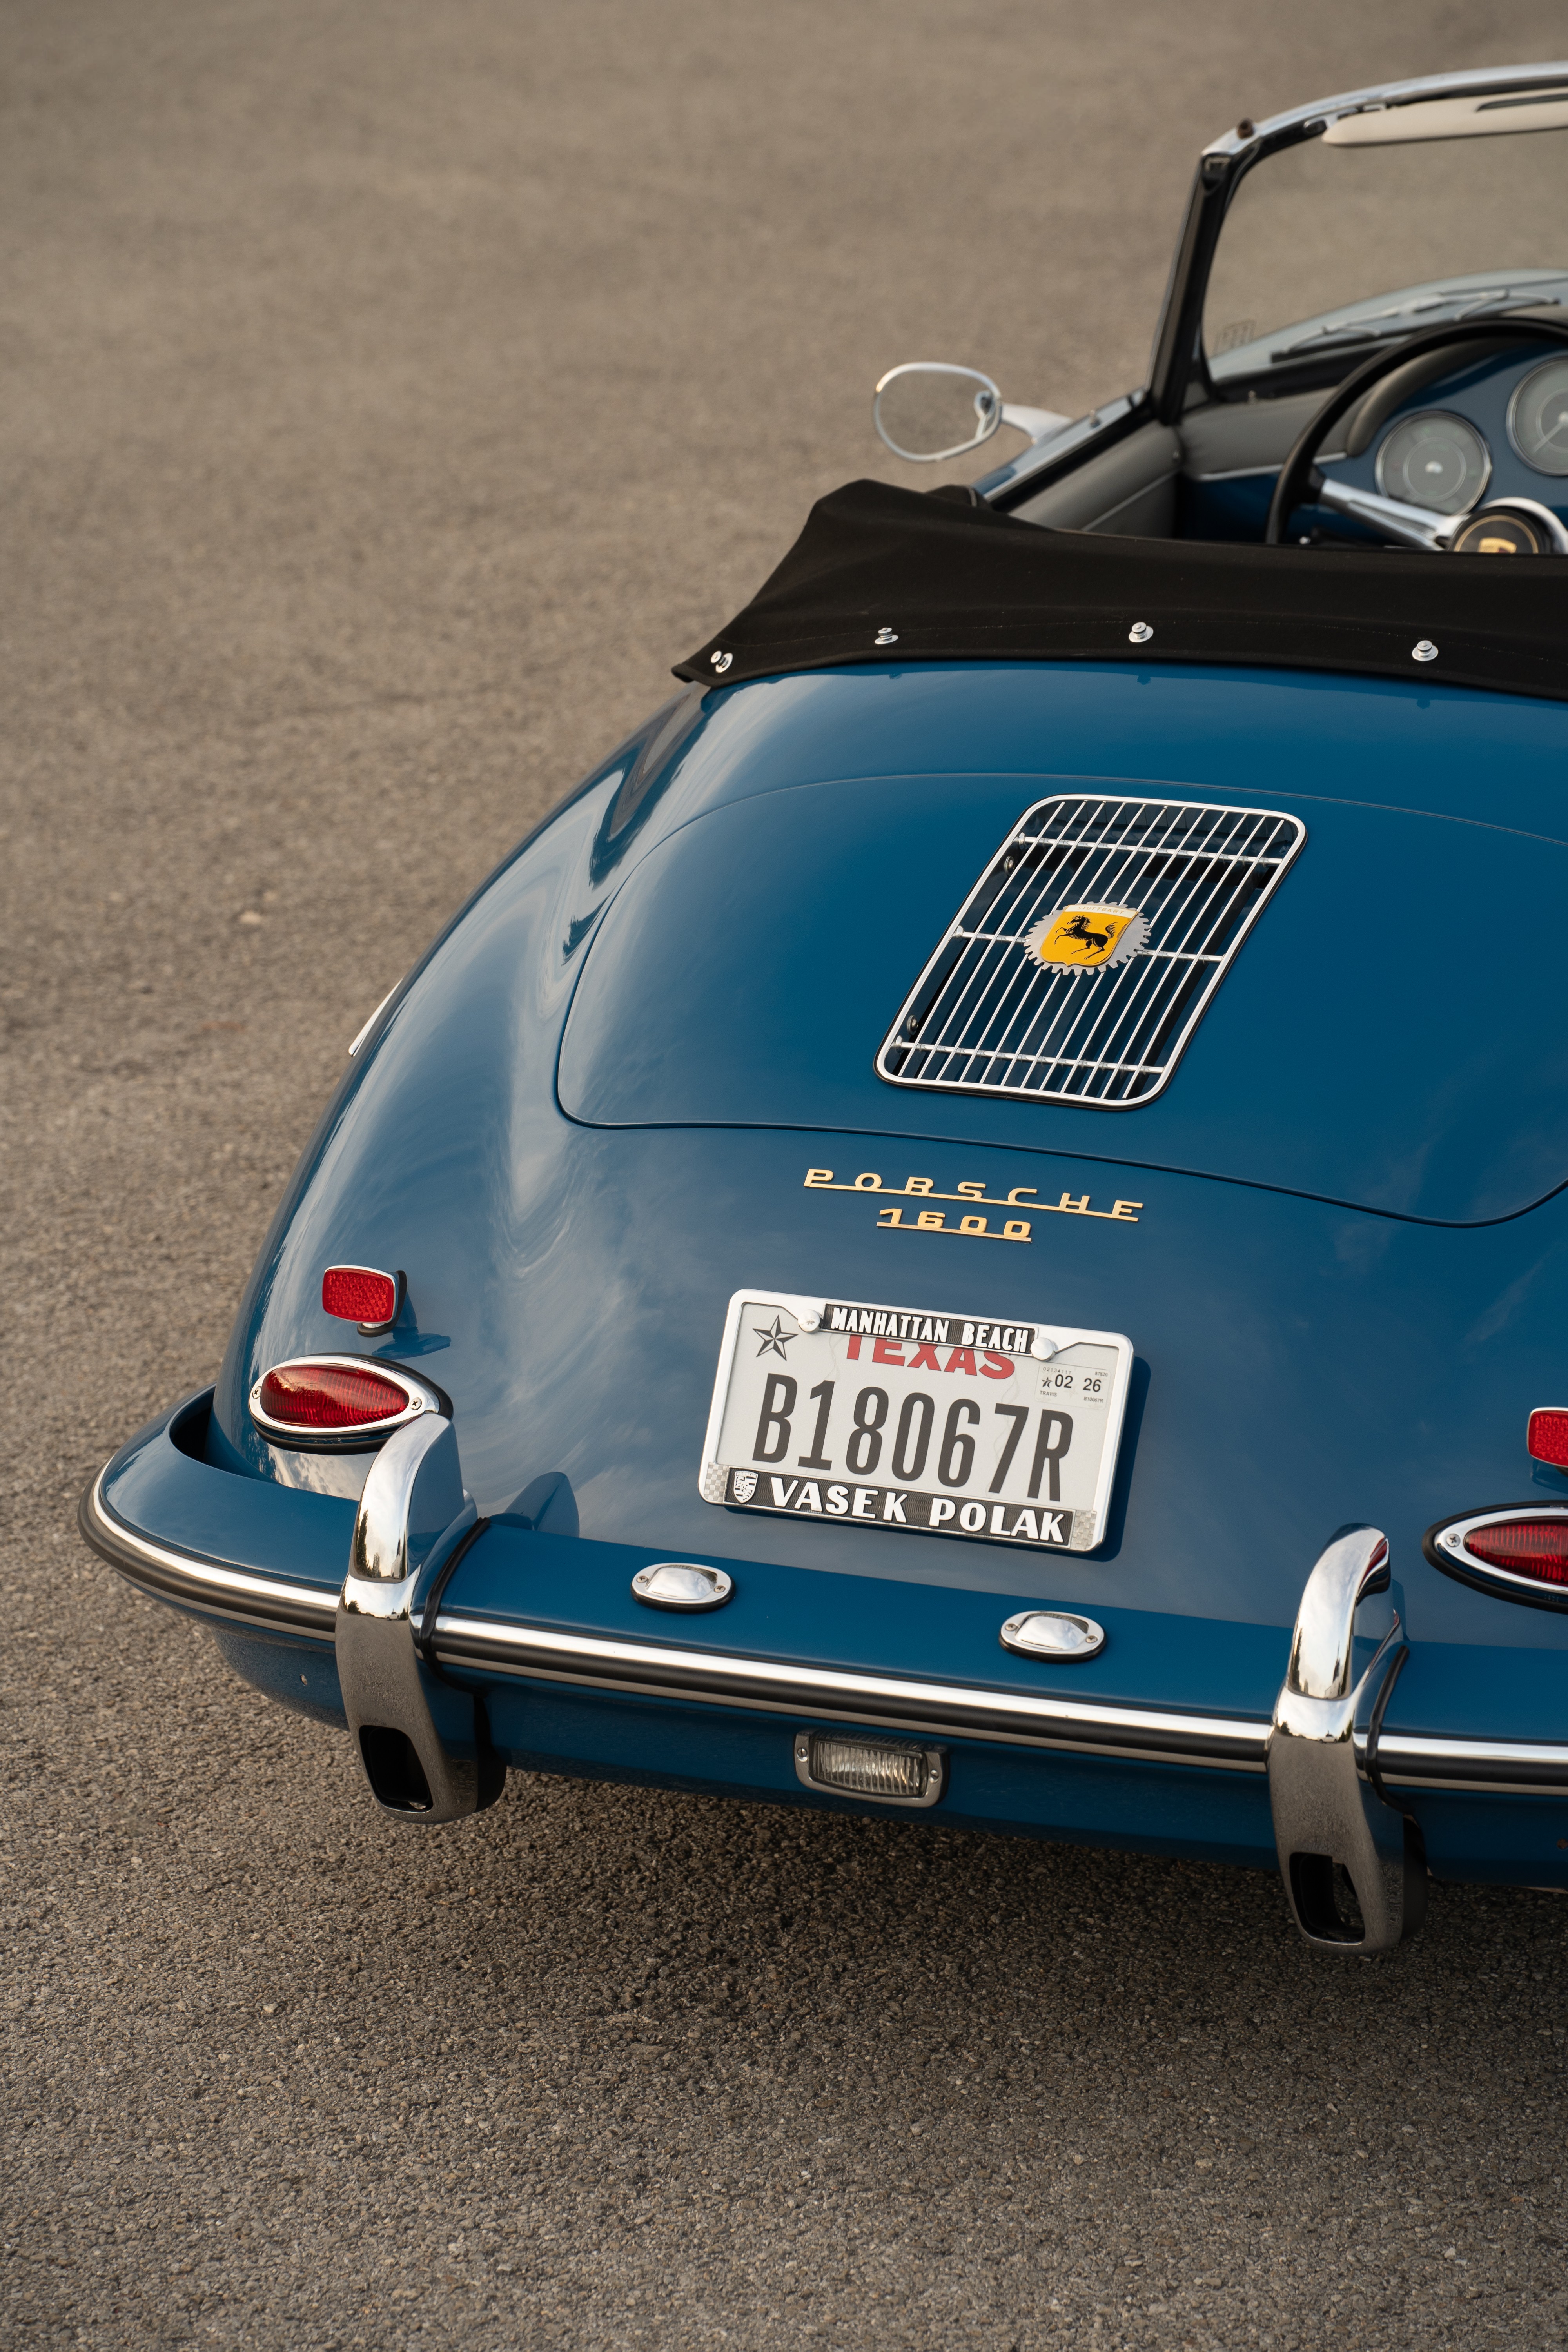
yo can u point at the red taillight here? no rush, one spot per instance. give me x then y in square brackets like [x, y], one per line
[359, 1294]
[1547, 1435]
[1534, 1548]
[329, 1396]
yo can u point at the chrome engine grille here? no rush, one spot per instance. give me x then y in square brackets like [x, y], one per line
[986, 1017]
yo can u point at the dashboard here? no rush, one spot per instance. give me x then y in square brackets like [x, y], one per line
[1497, 428]
[1493, 426]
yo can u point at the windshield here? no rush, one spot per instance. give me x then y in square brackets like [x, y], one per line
[1333, 248]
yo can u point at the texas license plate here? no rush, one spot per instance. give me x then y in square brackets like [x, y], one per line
[893, 1417]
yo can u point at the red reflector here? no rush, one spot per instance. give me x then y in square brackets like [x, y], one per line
[1547, 1437]
[359, 1294]
[329, 1396]
[1532, 1548]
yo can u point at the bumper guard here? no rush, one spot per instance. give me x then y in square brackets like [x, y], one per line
[413, 1526]
[1355, 1873]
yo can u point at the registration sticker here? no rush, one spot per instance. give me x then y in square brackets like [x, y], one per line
[974, 1425]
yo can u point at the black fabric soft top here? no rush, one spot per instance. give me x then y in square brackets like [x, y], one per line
[889, 575]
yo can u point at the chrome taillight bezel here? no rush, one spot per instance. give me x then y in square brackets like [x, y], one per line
[364, 1436]
[1445, 1545]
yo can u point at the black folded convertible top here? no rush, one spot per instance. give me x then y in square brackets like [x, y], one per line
[889, 575]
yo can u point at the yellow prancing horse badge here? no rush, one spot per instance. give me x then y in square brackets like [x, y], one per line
[1091, 937]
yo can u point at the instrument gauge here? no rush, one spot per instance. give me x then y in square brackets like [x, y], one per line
[1436, 461]
[1538, 418]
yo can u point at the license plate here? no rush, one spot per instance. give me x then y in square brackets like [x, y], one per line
[893, 1417]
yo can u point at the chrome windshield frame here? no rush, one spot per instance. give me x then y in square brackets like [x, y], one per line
[1178, 359]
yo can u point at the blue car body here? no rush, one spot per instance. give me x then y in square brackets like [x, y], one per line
[637, 1075]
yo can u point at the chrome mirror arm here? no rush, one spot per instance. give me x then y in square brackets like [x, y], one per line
[1329, 1815]
[1039, 423]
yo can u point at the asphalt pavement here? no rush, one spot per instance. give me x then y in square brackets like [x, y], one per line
[388, 395]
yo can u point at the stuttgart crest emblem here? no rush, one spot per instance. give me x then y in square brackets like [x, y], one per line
[745, 1485]
[1091, 937]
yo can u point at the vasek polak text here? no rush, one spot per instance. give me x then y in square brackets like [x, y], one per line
[973, 1202]
[900, 1507]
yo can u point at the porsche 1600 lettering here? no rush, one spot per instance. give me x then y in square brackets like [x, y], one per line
[979, 1219]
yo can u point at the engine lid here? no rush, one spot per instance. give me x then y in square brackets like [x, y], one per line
[1355, 1003]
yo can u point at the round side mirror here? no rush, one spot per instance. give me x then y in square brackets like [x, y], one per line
[927, 411]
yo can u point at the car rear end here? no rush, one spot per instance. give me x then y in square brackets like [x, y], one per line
[862, 1334]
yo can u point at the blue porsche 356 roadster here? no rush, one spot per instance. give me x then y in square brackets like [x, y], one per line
[1141, 865]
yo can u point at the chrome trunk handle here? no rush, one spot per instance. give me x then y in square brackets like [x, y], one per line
[1353, 1870]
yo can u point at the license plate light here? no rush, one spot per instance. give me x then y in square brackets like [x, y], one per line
[886, 1771]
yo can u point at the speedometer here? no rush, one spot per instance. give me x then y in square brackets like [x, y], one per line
[1434, 461]
[1538, 418]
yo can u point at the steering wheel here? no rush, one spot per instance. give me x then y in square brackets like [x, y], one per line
[1300, 480]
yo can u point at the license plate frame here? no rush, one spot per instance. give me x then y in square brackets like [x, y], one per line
[1055, 1372]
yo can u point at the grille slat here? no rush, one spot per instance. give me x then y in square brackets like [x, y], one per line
[987, 1017]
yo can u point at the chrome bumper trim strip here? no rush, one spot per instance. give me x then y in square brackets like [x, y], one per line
[192, 1582]
[1504, 1767]
[1142, 1735]
[1147, 1735]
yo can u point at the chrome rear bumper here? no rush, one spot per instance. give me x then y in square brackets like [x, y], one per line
[889, 1702]
[270, 1604]
[1328, 1763]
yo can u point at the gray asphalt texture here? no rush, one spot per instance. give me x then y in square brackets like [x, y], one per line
[391, 394]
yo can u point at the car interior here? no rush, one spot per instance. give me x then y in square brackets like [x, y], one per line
[1388, 269]
[1440, 432]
